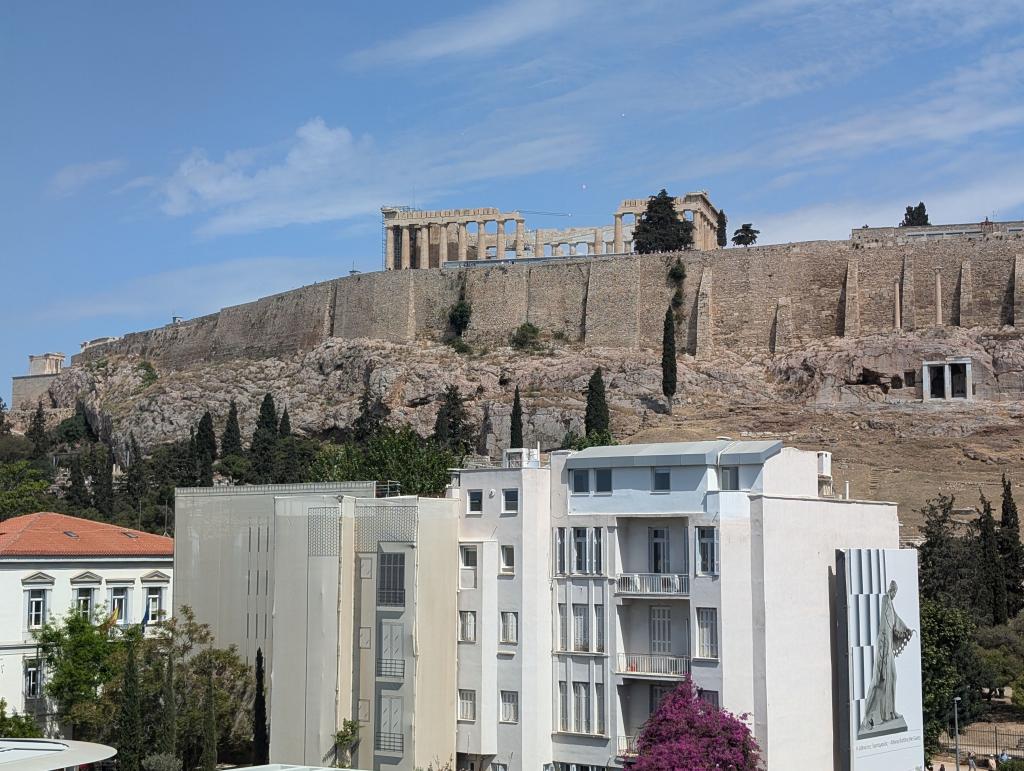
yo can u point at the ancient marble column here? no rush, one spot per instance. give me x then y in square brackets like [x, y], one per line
[406, 248]
[481, 240]
[618, 234]
[938, 297]
[499, 239]
[462, 241]
[442, 245]
[519, 239]
[390, 263]
[423, 241]
[538, 245]
[598, 242]
[572, 248]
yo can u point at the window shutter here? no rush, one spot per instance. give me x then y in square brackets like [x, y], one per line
[716, 551]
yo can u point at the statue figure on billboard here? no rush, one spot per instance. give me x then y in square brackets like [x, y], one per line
[893, 635]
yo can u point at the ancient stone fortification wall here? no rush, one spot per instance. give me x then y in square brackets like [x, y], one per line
[755, 299]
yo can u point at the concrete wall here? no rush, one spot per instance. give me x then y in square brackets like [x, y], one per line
[824, 288]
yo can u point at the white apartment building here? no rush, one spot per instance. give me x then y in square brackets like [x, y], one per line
[52, 565]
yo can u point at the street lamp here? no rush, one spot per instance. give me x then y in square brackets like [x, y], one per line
[956, 729]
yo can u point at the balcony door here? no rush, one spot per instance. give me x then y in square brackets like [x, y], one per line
[391, 636]
[658, 549]
[661, 630]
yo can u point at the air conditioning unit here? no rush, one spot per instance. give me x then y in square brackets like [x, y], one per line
[824, 464]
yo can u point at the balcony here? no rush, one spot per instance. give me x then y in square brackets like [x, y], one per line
[625, 747]
[389, 742]
[653, 584]
[390, 598]
[391, 668]
[653, 665]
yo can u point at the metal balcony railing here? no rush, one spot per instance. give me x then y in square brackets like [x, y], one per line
[391, 597]
[625, 746]
[388, 742]
[653, 664]
[655, 584]
[391, 668]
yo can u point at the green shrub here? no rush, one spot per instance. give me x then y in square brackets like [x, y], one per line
[459, 316]
[1012, 765]
[459, 345]
[677, 273]
[148, 373]
[525, 338]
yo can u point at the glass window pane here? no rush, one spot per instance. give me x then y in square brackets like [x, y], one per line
[603, 480]
[581, 480]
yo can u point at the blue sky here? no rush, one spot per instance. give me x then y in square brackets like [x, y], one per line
[169, 159]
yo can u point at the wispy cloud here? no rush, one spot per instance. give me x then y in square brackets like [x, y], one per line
[71, 179]
[486, 31]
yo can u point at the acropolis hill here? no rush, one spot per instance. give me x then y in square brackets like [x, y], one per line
[899, 349]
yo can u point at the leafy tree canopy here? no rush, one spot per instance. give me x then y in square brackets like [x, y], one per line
[915, 216]
[745, 235]
[661, 229]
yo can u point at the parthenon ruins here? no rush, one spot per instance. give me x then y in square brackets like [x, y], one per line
[429, 239]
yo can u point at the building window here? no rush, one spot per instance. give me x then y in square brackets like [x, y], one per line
[509, 501]
[467, 704]
[579, 550]
[509, 706]
[467, 626]
[580, 481]
[391, 579]
[707, 633]
[508, 559]
[729, 478]
[499, 766]
[563, 706]
[603, 481]
[599, 707]
[467, 565]
[661, 481]
[119, 607]
[33, 679]
[581, 705]
[707, 550]
[36, 608]
[563, 627]
[659, 692]
[468, 556]
[476, 501]
[599, 628]
[711, 697]
[509, 626]
[658, 544]
[598, 551]
[559, 551]
[580, 628]
[84, 601]
[154, 604]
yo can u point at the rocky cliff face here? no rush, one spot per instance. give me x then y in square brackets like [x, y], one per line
[847, 395]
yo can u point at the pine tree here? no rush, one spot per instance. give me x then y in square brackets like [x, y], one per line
[451, 427]
[136, 483]
[206, 439]
[915, 216]
[231, 439]
[168, 729]
[129, 736]
[991, 582]
[721, 232]
[1011, 551]
[37, 432]
[516, 438]
[745, 235]
[596, 419]
[264, 443]
[661, 229]
[260, 732]
[77, 495]
[285, 428]
[103, 483]
[208, 756]
[668, 357]
[373, 415]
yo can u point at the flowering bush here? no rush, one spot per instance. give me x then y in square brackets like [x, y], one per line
[687, 733]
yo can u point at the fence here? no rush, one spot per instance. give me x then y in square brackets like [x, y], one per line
[987, 739]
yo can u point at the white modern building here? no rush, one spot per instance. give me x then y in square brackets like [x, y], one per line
[552, 604]
[52, 565]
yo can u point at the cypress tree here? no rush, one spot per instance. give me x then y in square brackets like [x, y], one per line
[37, 432]
[206, 439]
[991, 583]
[596, 418]
[661, 229]
[260, 733]
[264, 443]
[136, 482]
[231, 439]
[722, 233]
[208, 755]
[77, 495]
[168, 730]
[451, 427]
[668, 358]
[516, 438]
[1011, 551]
[103, 483]
[129, 736]
[285, 428]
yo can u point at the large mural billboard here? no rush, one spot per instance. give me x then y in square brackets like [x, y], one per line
[884, 648]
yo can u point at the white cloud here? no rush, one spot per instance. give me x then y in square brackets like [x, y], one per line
[483, 32]
[71, 179]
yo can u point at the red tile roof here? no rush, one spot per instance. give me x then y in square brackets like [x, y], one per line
[46, 534]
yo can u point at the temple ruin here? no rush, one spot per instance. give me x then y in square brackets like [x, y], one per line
[429, 239]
